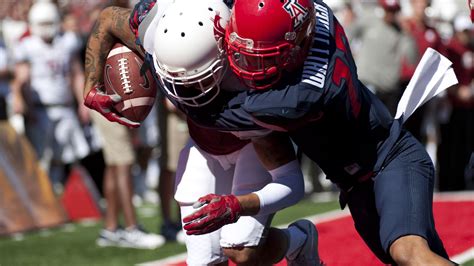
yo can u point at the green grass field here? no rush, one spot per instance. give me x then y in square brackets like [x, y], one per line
[74, 244]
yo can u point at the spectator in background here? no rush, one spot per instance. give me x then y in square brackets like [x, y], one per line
[13, 22]
[48, 77]
[425, 36]
[384, 43]
[119, 155]
[146, 170]
[174, 136]
[424, 124]
[345, 14]
[118, 189]
[457, 142]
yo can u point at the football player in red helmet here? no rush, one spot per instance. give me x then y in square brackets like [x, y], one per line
[298, 60]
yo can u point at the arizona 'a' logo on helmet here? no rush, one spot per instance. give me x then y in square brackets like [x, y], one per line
[266, 37]
[296, 11]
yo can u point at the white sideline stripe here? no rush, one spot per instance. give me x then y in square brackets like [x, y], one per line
[454, 196]
[464, 257]
[138, 102]
[170, 260]
[336, 214]
[319, 218]
[119, 50]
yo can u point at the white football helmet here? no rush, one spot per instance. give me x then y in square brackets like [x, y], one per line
[188, 53]
[44, 20]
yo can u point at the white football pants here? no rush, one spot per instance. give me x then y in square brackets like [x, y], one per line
[199, 174]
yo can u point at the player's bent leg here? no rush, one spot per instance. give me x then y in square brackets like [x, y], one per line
[244, 241]
[298, 243]
[243, 256]
[251, 245]
[404, 197]
[268, 252]
[199, 174]
[361, 202]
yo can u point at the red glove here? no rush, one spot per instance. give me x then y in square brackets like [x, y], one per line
[103, 103]
[218, 211]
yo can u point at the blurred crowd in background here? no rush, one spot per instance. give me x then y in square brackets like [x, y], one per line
[388, 38]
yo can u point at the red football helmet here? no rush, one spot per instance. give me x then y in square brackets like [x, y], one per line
[265, 37]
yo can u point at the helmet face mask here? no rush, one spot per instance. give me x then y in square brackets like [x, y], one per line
[259, 55]
[256, 65]
[188, 53]
[197, 90]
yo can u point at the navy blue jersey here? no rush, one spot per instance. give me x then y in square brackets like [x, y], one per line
[330, 115]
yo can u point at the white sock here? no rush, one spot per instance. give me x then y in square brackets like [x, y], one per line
[296, 238]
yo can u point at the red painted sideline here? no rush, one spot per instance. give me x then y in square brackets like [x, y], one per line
[339, 243]
[80, 198]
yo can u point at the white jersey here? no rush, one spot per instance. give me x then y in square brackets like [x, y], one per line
[50, 67]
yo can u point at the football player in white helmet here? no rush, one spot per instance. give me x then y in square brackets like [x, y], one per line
[47, 84]
[181, 41]
[186, 54]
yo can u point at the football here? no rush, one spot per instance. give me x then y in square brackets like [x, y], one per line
[125, 74]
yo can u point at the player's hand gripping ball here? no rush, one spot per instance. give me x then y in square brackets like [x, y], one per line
[125, 74]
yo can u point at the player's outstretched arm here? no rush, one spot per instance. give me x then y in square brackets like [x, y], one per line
[111, 27]
[277, 155]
